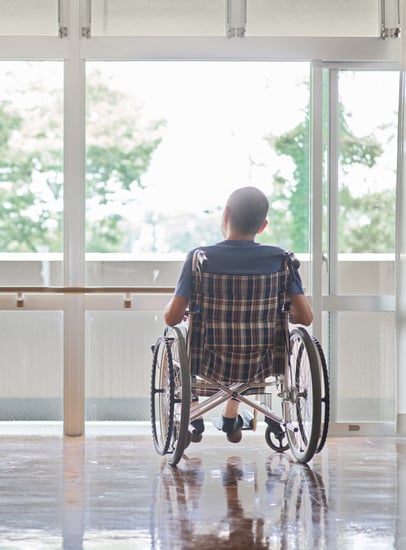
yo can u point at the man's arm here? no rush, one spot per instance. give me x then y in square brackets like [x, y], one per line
[300, 312]
[175, 310]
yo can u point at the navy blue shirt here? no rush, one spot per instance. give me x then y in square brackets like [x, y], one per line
[236, 258]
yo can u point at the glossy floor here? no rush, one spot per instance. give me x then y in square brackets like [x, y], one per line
[112, 491]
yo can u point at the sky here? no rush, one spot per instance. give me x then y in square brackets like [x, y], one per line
[218, 113]
[217, 116]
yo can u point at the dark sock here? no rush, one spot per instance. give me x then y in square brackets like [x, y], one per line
[230, 424]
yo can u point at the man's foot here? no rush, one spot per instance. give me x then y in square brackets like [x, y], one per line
[232, 428]
[196, 435]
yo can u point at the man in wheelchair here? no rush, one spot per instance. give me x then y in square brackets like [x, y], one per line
[243, 218]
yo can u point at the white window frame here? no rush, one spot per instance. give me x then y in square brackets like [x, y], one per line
[75, 49]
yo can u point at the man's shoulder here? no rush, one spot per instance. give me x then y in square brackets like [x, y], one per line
[227, 248]
[233, 244]
[271, 249]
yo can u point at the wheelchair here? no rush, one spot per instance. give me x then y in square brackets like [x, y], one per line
[238, 343]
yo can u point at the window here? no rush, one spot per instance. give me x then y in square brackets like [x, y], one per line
[367, 180]
[168, 142]
[31, 172]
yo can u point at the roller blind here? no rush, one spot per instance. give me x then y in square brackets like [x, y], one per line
[208, 17]
[29, 18]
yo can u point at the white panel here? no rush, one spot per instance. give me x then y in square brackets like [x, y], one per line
[25, 17]
[365, 375]
[31, 356]
[158, 18]
[313, 18]
[207, 17]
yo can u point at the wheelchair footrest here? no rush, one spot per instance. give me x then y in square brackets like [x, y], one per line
[247, 419]
[275, 427]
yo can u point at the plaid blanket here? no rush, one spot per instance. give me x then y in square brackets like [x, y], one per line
[238, 326]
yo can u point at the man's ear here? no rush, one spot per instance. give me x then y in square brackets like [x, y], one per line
[262, 227]
[226, 214]
[224, 221]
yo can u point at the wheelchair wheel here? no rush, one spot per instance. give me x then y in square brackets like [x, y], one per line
[162, 396]
[275, 436]
[170, 396]
[277, 442]
[325, 395]
[302, 396]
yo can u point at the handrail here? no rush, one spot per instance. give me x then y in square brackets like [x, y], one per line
[20, 291]
[87, 289]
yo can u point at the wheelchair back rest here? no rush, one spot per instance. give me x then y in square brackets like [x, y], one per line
[238, 326]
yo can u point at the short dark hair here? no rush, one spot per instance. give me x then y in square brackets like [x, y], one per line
[248, 209]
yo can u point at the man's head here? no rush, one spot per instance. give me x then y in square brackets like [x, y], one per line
[245, 212]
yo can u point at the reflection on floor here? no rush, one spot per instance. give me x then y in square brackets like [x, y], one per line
[114, 491]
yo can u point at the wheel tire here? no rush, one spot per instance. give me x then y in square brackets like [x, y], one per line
[162, 396]
[302, 402]
[182, 397]
[325, 397]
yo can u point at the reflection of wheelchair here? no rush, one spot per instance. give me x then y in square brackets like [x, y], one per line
[296, 492]
[238, 344]
[289, 509]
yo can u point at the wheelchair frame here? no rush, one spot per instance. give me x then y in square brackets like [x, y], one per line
[302, 390]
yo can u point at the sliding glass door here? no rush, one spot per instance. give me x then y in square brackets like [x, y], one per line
[361, 187]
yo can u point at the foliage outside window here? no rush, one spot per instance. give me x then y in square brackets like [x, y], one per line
[124, 146]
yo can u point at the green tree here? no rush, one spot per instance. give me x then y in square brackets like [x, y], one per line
[25, 218]
[367, 222]
[120, 144]
[290, 198]
[187, 232]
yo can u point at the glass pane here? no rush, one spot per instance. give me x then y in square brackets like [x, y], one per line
[367, 181]
[118, 364]
[364, 388]
[25, 17]
[313, 18]
[160, 167]
[31, 364]
[158, 18]
[31, 172]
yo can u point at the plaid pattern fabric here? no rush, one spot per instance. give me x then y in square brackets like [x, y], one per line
[237, 326]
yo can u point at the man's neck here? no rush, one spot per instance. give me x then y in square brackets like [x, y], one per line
[235, 236]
